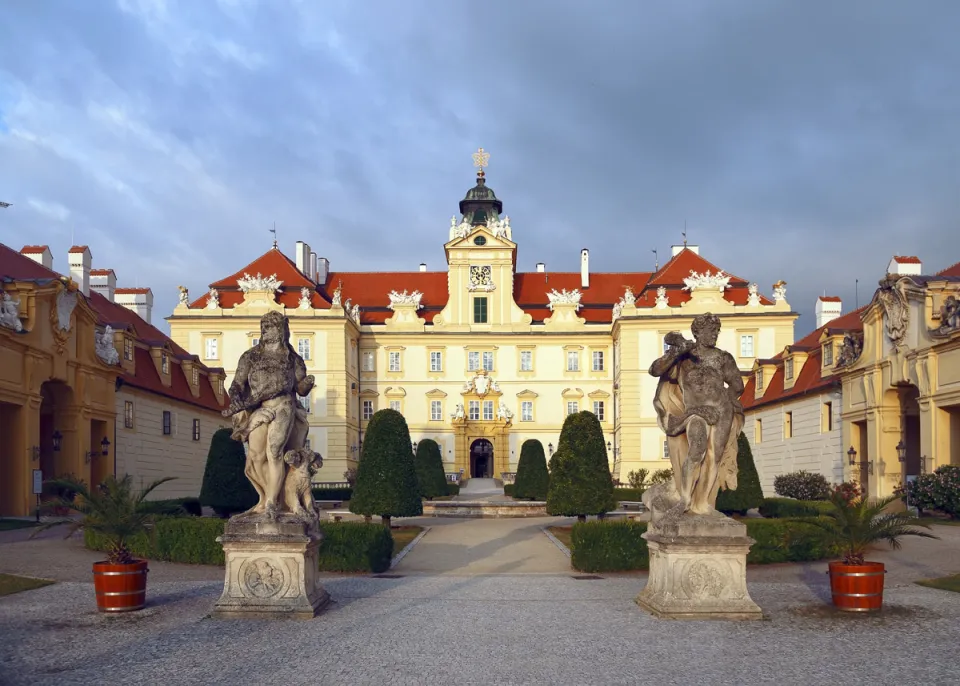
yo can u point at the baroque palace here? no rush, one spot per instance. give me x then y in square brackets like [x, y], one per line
[481, 356]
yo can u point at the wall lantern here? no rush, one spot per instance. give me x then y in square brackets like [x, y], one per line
[104, 444]
[56, 440]
[609, 446]
[550, 448]
[901, 451]
[852, 454]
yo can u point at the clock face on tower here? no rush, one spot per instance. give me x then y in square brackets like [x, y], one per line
[480, 275]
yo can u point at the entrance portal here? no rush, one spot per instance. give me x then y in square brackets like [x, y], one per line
[481, 459]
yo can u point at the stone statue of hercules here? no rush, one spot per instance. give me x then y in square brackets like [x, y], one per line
[265, 411]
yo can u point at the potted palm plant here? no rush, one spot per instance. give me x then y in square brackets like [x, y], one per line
[116, 512]
[852, 526]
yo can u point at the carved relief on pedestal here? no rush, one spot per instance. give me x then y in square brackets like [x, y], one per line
[704, 578]
[261, 578]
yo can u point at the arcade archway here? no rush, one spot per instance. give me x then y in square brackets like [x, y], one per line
[481, 459]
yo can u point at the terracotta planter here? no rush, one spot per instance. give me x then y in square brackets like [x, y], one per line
[120, 588]
[857, 588]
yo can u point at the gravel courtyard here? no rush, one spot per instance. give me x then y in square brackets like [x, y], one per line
[479, 628]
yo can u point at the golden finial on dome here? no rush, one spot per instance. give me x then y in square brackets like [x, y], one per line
[481, 159]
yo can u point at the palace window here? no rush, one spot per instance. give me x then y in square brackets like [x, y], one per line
[395, 405]
[127, 349]
[788, 368]
[367, 411]
[480, 310]
[394, 365]
[598, 409]
[746, 345]
[488, 410]
[573, 407]
[196, 429]
[473, 410]
[526, 360]
[436, 410]
[436, 361]
[304, 401]
[303, 347]
[488, 361]
[164, 363]
[826, 418]
[788, 424]
[369, 361]
[473, 361]
[827, 354]
[526, 411]
[211, 349]
[598, 360]
[573, 361]
[167, 423]
[128, 414]
[759, 379]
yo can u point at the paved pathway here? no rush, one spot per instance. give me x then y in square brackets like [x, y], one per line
[484, 546]
[481, 489]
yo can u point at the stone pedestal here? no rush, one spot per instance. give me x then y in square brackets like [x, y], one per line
[271, 569]
[698, 569]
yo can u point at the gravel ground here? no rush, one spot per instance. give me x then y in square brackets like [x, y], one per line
[504, 629]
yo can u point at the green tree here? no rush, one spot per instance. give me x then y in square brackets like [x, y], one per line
[429, 467]
[386, 478]
[533, 480]
[580, 480]
[748, 494]
[225, 487]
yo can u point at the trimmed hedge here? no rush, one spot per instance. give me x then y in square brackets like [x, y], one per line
[346, 546]
[780, 508]
[802, 485]
[190, 506]
[608, 546]
[386, 477]
[225, 487]
[580, 480]
[508, 489]
[748, 494]
[332, 493]
[356, 547]
[453, 489]
[616, 546]
[428, 464]
[533, 480]
[631, 494]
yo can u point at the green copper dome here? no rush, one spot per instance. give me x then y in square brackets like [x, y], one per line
[481, 203]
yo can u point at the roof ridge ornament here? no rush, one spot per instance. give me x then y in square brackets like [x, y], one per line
[707, 280]
[481, 159]
[249, 283]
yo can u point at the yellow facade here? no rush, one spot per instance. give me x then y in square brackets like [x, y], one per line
[904, 389]
[57, 400]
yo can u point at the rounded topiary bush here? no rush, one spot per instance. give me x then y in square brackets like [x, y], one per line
[748, 494]
[429, 468]
[386, 478]
[580, 480]
[225, 487]
[802, 485]
[532, 480]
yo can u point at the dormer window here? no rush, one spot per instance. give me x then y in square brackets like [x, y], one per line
[196, 376]
[127, 348]
[164, 363]
[759, 379]
[788, 368]
[828, 354]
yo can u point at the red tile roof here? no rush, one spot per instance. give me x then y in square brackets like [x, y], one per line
[100, 272]
[952, 270]
[829, 298]
[370, 290]
[809, 379]
[906, 259]
[33, 249]
[14, 265]
[131, 291]
[78, 248]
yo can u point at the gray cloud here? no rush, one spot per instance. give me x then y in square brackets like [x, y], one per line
[803, 141]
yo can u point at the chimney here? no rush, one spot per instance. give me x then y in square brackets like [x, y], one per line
[584, 268]
[137, 300]
[40, 254]
[827, 309]
[323, 270]
[313, 266]
[905, 265]
[541, 267]
[677, 249]
[423, 266]
[80, 259]
[104, 282]
[301, 256]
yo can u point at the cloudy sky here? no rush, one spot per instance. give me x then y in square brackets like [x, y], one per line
[807, 141]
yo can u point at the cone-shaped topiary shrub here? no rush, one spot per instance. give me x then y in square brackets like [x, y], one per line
[386, 478]
[532, 477]
[225, 487]
[748, 493]
[580, 480]
[429, 466]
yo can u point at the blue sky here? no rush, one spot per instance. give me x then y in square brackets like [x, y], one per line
[799, 141]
